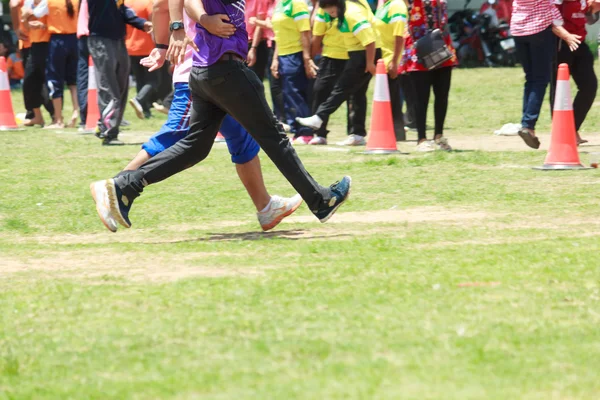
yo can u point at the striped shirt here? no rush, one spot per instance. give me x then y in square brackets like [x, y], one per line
[533, 16]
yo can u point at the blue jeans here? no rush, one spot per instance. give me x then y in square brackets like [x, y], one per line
[82, 77]
[295, 88]
[535, 52]
[61, 65]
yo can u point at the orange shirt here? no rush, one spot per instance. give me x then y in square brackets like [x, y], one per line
[139, 43]
[39, 35]
[58, 20]
[15, 67]
[24, 44]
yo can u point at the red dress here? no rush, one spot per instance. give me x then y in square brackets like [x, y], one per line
[418, 27]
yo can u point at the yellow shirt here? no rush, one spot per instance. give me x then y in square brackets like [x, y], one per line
[357, 21]
[390, 22]
[333, 39]
[290, 18]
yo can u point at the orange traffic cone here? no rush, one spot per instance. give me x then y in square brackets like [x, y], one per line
[93, 112]
[382, 139]
[7, 114]
[563, 153]
[220, 138]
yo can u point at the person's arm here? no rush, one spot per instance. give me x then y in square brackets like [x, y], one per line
[265, 24]
[275, 63]
[399, 16]
[131, 18]
[217, 24]
[160, 22]
[573, 41]
[15, 16]
[316, 44]
[398, 48]
[255, 41]
[309, 65]
[370, 50]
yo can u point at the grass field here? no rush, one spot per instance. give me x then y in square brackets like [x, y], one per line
[463, 275]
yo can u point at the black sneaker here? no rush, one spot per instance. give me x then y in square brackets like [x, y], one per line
[119, 204]
[340, 191]
[112, 142]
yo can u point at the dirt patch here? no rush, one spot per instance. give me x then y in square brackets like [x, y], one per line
[137, 266]
[396, 216]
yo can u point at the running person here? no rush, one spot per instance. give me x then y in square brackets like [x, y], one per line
[133, 181]
[354, 17]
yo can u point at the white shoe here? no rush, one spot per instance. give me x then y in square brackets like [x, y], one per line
[427, 145]
[279, 208]
[286, 127]
[318, 140]
[353, 140]
[100, 195]
[312, 122]
[137, 107]
[442, 144]
[302, 140]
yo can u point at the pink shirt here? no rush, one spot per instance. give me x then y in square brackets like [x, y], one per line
[181, 73]
[83, 20]
[533, 16]
[255, 8]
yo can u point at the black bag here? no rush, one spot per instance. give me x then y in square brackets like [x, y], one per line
[431, 48]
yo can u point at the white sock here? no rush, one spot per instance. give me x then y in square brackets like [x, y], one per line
[267, 206]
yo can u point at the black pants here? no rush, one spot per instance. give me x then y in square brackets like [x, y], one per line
[46, 99]
[83, 77]
[395, 100]
[262, 58]
[408, 98]
[353, 81]
[147, 83]
[422, 83]
[228, 87]
[581, 65]
[34, 84]
[275, 85]
[330, 70]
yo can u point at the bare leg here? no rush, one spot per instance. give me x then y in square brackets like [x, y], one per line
[38, 118]
[139, 159]
[58, 118]
[75, 101]
[251, 176]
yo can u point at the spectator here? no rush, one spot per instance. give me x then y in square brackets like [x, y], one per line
[3, 50]
[35, 68]
[580, 61]
[83, 57]
[107, 47]
[259, 39]
[391, 24]
[424, 17]
[361, 41]
[16, 70]
[139, 45]
[61, 65]
[532, 24]
[293, 63]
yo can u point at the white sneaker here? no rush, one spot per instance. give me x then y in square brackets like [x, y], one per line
[425, 146]
[302, 140]
[286, 127]
[442, 144]
[100, 195]
[312, 122]
[279, 208]
[353, 140]
[137, 107]
[318, 140]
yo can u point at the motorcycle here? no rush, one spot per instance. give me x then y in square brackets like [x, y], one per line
[496, 41]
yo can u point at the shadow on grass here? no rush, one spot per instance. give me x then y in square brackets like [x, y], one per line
[292, 234]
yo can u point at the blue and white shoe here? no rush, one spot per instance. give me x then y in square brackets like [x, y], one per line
[100, 196]
[340, 191]
[119, 203]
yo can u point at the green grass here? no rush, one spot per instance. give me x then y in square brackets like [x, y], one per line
[193, 302]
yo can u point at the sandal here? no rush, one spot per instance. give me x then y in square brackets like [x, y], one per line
[529, 139]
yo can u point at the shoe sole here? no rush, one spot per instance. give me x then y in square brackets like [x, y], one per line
[114, 203]
[281, 217]
[340, 204]
[93, 191]
[530, 140]
[139, 113]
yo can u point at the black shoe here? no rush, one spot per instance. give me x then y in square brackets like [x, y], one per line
[119, 203]
[340, 191]
[529, 139]
[112, 142]
[100, 134]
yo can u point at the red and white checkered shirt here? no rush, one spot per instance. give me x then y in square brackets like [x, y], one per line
[533, 16]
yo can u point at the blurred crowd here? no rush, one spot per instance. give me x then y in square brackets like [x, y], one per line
[315, 56]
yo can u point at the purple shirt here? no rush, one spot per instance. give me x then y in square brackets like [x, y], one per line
[210, 47]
